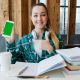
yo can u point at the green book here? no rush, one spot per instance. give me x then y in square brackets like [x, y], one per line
[8, 28]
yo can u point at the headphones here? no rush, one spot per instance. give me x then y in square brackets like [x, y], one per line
[47, 33]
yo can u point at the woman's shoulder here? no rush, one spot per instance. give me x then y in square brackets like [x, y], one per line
[25, 39]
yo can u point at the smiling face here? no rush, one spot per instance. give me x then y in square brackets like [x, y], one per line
[39, 17]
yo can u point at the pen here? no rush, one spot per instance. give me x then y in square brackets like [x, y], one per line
[22, 70]
[32, 76]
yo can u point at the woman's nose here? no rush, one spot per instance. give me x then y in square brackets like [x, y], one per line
[39, 17]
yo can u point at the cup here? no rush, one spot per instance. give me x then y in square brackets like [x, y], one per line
[5, 61]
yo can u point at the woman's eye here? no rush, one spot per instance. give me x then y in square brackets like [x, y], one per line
[43, 15]
[40, 15]
[35, 15]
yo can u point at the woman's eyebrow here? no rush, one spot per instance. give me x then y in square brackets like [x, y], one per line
[43, 12]
[40, 13]
[35, 13]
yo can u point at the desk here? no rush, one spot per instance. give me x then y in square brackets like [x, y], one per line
[53, 75]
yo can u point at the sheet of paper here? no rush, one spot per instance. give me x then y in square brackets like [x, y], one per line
[16, 68]
[32, 70]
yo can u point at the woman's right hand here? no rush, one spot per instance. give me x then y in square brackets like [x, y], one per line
[11, 38]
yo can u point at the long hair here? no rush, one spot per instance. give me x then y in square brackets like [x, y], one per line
[48, 22]
[52, 34]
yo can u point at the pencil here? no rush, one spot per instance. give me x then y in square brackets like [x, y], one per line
[22, 70]
[32, 76]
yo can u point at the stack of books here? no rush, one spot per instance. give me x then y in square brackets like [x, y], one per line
[72, 59]
[72, 67]
[70, 72]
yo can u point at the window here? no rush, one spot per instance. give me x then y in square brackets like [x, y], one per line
[77, 31]
[63, 16]
[43, 1]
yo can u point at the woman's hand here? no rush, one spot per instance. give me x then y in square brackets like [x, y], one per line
[45, 45]
[11, 38]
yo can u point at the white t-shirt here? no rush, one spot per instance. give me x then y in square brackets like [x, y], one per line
[36, 44]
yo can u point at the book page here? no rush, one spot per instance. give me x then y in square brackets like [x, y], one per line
[48, 63]
[16, 68]
[71, 53]
[32, 70]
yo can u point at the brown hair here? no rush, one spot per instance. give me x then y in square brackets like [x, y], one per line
[52, 34]
[41, 4]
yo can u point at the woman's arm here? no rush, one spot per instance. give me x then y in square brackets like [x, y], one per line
[16, 49]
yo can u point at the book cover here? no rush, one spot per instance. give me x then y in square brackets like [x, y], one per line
[71, 72]
[73, 67]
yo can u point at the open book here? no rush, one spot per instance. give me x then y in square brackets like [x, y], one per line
[35, 69]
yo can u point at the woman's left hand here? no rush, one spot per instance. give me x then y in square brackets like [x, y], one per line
[45, 45]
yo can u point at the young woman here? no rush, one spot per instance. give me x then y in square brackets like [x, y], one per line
[38, 44]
